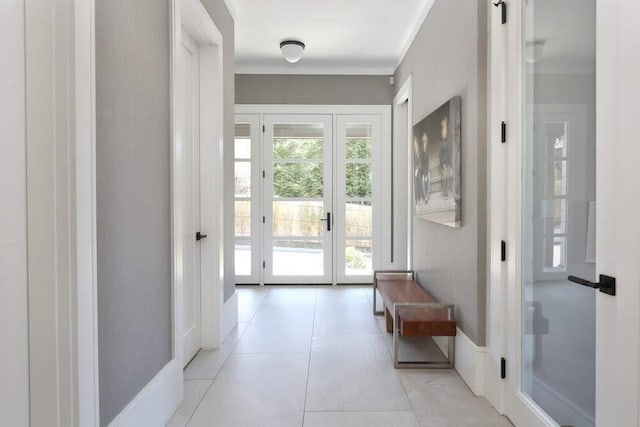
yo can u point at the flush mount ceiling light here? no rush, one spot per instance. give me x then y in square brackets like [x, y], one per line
[292, 50]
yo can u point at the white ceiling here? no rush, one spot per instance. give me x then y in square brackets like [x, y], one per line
[341, 36]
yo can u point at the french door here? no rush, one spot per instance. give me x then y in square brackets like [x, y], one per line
[313, 212]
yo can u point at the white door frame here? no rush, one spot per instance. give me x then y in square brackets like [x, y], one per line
[403, 184]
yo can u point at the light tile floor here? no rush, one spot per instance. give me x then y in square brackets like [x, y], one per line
[317, 357]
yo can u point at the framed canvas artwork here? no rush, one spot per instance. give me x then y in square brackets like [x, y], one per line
[436, 165]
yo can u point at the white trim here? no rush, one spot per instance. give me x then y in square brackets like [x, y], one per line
[51, 237]
[311, 109]
[302, 70]
[229, 315]
[414, 30]
[405, 94]
[86, 262]
[470, 361]
[151, 406]
[231, 7]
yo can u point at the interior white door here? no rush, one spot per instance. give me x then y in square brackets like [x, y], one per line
[297, 199]
[357, 193]
[190, 142]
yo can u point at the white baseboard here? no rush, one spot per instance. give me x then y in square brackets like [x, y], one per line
[157, 401]
[229, 315]
[470, 361]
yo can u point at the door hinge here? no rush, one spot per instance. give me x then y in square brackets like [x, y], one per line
[503, 368]
[503, 250]
[264, 264]
[264, 129]
[503, 132]
[503, 5]
[264, 220]
[264, 174]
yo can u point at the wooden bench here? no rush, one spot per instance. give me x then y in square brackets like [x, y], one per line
[410, 311]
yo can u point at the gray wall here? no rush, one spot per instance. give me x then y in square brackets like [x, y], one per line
[225, 24]
[313, 89]
[133, 191]
[448, 58]
[133, 205]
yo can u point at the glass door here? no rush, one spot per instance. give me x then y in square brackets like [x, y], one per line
[357, 144]
[557, 346]
[297, 215]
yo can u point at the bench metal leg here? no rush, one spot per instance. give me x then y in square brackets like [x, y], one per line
[375, 286]
[397, 363]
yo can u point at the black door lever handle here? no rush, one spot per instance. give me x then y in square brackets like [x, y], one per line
[328, 219]
[607, 284]
[200, 236]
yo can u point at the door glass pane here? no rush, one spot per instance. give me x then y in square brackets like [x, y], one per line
[358, 141]
[298, 148]
[243, 179]
[558, 347]
[299, 218]
[242, 141]
[359, 180]
[298, 257]
[359, 219]
[357, 255]
[304, 179]
[243, 218]
[243, 258]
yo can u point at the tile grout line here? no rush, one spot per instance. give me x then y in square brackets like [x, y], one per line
[382, 331]
[225, 361]
[306, 388]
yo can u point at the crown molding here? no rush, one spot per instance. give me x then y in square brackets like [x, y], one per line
[414, 31]
[316, 70]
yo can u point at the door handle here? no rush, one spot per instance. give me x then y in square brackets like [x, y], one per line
[607, 284]
[200, 236]
[328, 219]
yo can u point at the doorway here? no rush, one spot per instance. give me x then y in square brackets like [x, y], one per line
[197, 180]
[315, 214]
